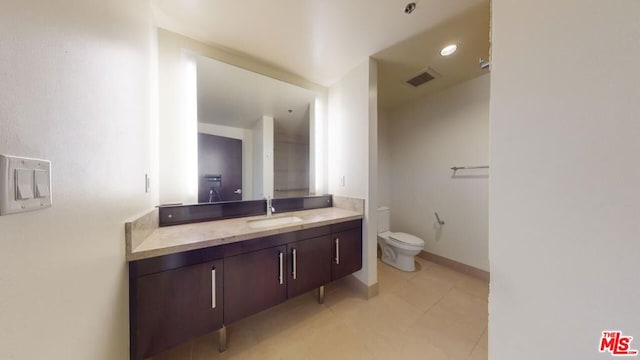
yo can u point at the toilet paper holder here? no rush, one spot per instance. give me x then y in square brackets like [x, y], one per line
[440, 222]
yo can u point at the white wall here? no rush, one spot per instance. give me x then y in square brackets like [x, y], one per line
[564, 200]
[263, 158]
[290, 160]
[267, 156]
[257, 168]
[247, 151]
[352, 150]
[319, 146]
[75, 79]
[427, 138]
[176, 180]
[384, 158]
[178, 140]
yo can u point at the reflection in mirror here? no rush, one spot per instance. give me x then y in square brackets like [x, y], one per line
[253, 135]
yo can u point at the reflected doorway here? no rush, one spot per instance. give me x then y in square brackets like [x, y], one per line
[219, 168]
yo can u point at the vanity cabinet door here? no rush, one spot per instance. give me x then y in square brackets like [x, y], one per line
[253, 282]
[309, 265]
[346, 252]
[177, 305]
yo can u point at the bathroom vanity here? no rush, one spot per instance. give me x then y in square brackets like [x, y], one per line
[188, 280]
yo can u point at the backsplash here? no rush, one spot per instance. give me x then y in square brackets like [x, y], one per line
[302, 203]
[138, 229]
[185, 214]
[347, 203]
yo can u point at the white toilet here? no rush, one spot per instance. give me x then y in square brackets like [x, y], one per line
[398, 249]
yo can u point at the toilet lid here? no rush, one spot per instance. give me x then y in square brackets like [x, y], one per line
[407, 238]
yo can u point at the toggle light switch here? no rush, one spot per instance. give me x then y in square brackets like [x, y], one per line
[41, 180]
[24, 184]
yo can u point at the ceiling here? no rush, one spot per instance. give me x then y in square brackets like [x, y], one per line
[231, 96]
[320, 40]
[406, 59]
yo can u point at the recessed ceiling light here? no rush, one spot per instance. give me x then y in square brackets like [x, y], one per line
[448, 50]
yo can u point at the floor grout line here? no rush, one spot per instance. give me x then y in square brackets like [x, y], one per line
[478, 341]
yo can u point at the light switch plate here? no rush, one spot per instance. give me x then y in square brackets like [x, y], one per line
[25, 184]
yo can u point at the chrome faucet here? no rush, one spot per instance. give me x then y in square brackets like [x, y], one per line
[270, 208]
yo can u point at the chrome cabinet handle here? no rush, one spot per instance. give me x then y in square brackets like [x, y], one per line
[295, 264]
[213, 287]
[337, 251]
[280, 279]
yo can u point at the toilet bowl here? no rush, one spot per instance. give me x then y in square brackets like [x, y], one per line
[398, 249]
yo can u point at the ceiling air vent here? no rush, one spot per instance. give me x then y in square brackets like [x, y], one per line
[422, 78]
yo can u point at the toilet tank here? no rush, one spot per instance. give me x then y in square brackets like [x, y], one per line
[384, 219]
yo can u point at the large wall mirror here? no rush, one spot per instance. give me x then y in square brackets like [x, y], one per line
[253, 135]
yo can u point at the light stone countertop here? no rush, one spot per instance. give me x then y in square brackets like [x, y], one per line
[179, 238]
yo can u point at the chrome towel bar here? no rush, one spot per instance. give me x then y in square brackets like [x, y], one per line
[456, 168]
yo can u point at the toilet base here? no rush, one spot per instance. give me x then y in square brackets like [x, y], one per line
[402, 262]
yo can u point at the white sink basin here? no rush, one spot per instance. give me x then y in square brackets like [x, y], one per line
[272, 221]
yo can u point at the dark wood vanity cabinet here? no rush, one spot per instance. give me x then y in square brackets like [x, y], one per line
[309, 265]
[346, 242]
[256, 280]
[253, 282]
[177, 297]
[174, 306]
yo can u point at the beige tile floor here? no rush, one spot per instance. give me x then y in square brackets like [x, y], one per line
[433, 313]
